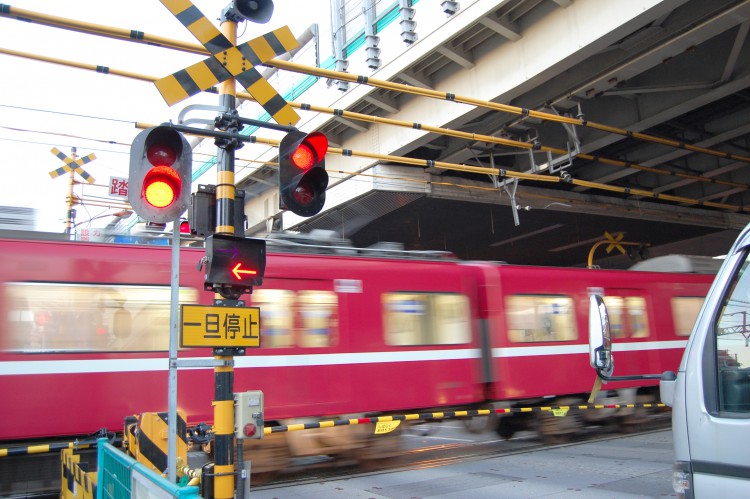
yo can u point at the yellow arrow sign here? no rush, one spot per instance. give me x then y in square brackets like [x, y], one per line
[614, 242]
[216, 327]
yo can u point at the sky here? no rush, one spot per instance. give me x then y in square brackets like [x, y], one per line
[45, 105]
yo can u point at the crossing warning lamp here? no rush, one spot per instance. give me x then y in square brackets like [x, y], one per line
[302, 173]
[161, 164]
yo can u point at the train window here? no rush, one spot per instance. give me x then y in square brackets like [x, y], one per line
[733, 345]
[318, 318]
[305, 318]
[52, 317]
[426, 319]
[685, 310]
[535, 318]
[276, 317]
[627, 316]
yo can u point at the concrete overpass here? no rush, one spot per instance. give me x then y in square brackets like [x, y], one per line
[676, 71]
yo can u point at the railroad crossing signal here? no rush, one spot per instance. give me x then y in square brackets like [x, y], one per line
[228, 61]
[614, 242]
[161, 168]
[72, 165]
[302, 173]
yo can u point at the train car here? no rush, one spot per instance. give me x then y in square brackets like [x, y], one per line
[84, 336]
[539, 342]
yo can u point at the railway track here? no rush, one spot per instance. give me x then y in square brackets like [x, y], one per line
[433, 451]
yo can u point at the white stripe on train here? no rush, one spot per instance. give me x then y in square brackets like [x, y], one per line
[84, 366]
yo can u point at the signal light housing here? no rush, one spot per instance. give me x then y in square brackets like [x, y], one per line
[161, 166]
[234, 264]
[302, 173]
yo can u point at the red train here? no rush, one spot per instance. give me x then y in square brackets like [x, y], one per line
[85, 327]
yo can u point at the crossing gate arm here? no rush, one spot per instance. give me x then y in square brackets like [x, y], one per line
[561, 410]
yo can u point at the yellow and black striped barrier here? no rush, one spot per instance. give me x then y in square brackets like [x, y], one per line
[147, 441]
[41, 449]
[77, 481]
[160, 426]
[386, 422]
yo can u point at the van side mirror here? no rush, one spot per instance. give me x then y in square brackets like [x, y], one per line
[600, 344]
[600, 337]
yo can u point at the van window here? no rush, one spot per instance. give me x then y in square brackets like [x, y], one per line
[306, 318]
[627, 316]
[733, 346]
[426, 318]
[68, 317]
[684, 312]
[536, 318]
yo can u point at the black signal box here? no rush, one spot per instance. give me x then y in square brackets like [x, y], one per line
[202, 211]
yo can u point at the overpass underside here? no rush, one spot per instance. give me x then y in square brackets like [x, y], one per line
[669, 77]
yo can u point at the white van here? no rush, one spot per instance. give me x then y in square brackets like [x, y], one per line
[710, 394]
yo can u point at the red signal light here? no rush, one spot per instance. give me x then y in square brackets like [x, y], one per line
[303, 157]
[184, 227]
[160, 174]
[250, 430]
[304, 193]
[161, 155]
[312, 149]
[302, 175]
[161, 186]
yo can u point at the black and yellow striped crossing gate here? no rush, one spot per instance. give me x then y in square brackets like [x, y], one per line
[146, 439]
[77, 481]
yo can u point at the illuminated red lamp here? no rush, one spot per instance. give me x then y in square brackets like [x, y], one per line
[161, 184]
[312, 150]
[302, 173]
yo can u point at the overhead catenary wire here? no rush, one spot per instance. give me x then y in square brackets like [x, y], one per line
[126, 35]
[428, 163]
[141, 37]
[503, 141]
[440, 164]
[137, 36]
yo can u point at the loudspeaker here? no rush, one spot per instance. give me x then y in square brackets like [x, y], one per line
[256, 11]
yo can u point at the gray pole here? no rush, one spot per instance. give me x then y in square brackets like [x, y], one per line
[173, 336]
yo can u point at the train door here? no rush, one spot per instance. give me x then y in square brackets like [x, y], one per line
[631, 328]
[300, 360]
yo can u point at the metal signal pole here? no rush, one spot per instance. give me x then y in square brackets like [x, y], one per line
[224, 468]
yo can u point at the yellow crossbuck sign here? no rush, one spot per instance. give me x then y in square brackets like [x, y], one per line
[614, 242]
[72, 165]
[227, 61]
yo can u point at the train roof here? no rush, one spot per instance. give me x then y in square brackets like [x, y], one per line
[690, 264]
[326, 242]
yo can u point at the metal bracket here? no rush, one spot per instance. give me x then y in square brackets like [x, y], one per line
[195, 107]
[497, 183]
[200, 363]
[511, 192]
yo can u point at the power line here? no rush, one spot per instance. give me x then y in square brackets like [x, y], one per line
[33, 142]
[127, 35]
[60, 134]
[64, 113]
